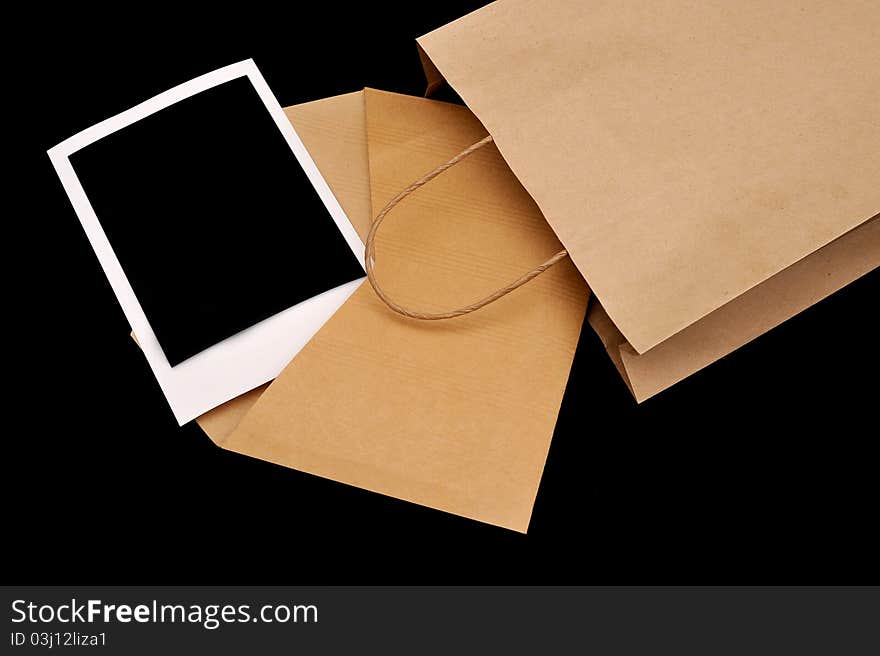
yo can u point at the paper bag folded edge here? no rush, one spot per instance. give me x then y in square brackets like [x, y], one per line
[781, 297]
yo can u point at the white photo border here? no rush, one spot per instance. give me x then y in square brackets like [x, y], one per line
[253, 356]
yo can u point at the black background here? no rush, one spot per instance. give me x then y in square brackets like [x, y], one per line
[760, 469]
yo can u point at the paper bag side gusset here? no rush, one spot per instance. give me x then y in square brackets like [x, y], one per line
[455, 415]
[743, 319]
[683, 153]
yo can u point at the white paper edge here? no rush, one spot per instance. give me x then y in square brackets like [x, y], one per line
[254, 356]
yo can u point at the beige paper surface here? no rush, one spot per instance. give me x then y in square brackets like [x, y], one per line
[456, 415]
[743, 319]
[683, 152]
[334, 131]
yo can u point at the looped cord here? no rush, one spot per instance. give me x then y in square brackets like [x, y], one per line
[369, 257]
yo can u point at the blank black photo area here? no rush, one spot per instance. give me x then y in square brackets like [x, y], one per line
[212, 218]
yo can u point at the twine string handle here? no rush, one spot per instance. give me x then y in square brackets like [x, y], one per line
[370, 250]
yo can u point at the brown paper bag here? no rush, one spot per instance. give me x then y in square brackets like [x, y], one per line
[453, 415]
[710, 167]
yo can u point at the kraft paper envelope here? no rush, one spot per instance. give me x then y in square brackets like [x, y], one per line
[455, 415]
[685, 153]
